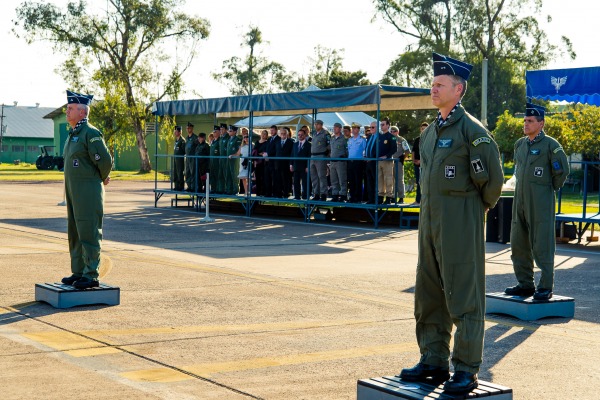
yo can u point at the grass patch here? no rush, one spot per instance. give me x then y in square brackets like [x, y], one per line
[28, 172]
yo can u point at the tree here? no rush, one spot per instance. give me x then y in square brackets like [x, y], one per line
[254, 74]
[118, 51]
[472, 30]
[326, 71]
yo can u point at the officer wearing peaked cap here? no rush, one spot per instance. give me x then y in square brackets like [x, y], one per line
[541, 168]
[215, 152]
[461, 177]
[178, 160]
[87, 167]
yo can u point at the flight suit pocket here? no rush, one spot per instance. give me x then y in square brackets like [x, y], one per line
[461, 291]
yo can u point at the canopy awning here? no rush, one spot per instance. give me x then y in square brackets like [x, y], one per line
[576, 85]
[358, 98]
[344, 118]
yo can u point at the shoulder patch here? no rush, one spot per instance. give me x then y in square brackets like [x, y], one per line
[95, 139]
[480, 140]
[556, 150]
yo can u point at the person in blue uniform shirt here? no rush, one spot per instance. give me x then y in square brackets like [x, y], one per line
[381, 145]
[541, 168]
[87, 167]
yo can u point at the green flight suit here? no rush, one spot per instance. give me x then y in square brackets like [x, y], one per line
[87, 165]
[232, 182]
[215, 152]
[178, 164]
[461, 176]
[223, 164]
[190, 161]
[541, 168]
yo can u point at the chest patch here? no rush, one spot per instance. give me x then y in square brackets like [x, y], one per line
[444, 143]
[75, 163]
[539, 171]
[75, 139]
[477, 165]
[450, 171]
[534, 152]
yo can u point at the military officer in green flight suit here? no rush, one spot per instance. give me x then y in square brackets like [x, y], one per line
[223, 162]
[178, 160]
[215, 152]
[232, 184]
[541, 168]
[87, 167]
[461, 177]
[190, 162]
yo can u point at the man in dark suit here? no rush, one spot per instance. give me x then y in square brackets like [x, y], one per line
[283, 180]
[272, 144]
[300, 167]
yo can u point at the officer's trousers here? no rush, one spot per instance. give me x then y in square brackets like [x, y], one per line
[385, 171]
[85, 211]
[532, 237]
[450, 286]
[318, 176]
[222, 175]
[339, 178]
[178, 179]
[190, 164]
[399, 178]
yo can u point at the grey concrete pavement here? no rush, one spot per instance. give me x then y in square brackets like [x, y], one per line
[253, 308]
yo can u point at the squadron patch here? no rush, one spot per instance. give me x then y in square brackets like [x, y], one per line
[97, 157]
[556, 150]
[539, 171]
[481, 140]
[444, 143]
[95, 139]
[450, 171]
[534, 152]
[477, 165]
[556, 165]
[75, 163]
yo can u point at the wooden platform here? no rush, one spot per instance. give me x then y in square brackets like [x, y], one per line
[59, 295]
[528, 309]
[393, 388]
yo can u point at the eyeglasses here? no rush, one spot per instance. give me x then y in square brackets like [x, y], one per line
[245, 137]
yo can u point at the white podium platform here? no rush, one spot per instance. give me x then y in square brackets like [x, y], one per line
[59, 295]
[393, 388]
[528, 309]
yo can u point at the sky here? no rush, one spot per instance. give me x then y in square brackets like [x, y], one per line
[293, 29]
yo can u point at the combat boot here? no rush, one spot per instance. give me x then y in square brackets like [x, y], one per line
[85, 283]
[69, 280]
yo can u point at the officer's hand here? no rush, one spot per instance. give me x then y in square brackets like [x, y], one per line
[107, 180]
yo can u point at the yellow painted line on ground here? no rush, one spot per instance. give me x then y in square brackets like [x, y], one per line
[16, 307]
[72, 344]
[206, 370]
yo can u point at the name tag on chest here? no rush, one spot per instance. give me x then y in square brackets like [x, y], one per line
[444, 143]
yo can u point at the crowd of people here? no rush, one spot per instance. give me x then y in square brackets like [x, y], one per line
[353, 163]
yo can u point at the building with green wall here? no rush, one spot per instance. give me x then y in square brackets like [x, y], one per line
[23, 131]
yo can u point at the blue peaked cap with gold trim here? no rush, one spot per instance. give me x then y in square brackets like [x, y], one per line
[78, 98]
[444, 65]
[533, 110]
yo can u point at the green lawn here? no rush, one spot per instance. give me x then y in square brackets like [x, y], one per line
[28, 172]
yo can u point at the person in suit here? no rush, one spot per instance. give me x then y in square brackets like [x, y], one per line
[283, 184]
[271, 151]
[299, 167]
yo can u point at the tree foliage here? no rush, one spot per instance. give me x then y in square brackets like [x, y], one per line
[577, 129]
[326, 70]
[506, 32]
[117, 56]
[253, 74]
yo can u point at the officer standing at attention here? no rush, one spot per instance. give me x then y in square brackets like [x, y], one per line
[202, 163]
[214, 161]
[223, 162]
[461, 177]
[541, 168]
[178, 160]
[232, 182]
[318, 168]
[190, 161]
[87, 166]
[337, 169]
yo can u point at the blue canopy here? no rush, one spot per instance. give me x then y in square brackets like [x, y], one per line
[340, 99]
[576, 85]
[344, 118]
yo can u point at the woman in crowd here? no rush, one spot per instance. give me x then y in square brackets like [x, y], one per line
[243, 152]
[259, 164]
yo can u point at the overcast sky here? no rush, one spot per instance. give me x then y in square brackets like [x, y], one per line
[27, 72]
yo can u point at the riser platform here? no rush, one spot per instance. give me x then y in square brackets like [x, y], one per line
[527, 309]
[59, 295]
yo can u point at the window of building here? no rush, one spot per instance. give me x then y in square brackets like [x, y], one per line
[4, 147]
[32, 148]
[18, 148]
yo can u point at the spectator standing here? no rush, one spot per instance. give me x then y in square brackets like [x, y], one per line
[320, 147]
[259, 164]
[356, 164]
[299, 165]
[178, 160]
[190, 162]
[403, 150]
[337, 168]
[270, 165]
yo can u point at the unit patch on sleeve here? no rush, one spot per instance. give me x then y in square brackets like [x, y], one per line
[97, 157]
[450, 171]
[95, 139]
[556, 165]
[477, 165]
[556, 150]
[539, 171]
[481, 140]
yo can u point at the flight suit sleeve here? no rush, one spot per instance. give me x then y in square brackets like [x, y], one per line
[99, 154]
[560, 166]
[486, 169]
